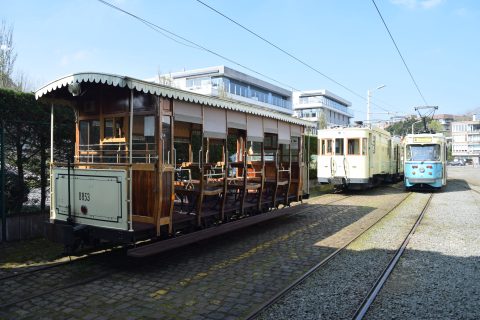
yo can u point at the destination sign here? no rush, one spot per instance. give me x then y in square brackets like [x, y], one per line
[422, 139]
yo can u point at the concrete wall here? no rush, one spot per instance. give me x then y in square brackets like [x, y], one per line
[24, 226]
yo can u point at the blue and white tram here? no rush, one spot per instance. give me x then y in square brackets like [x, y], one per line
[425, 161]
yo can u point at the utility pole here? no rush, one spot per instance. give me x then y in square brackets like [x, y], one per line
[369, 97]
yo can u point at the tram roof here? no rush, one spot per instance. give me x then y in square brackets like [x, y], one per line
[165, 91]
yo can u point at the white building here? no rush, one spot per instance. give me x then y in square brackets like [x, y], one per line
[466, 140]
[221, 81]
[315, 104]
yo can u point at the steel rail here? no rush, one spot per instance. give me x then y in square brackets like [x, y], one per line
[55, 289]
[84, 257]
[375, 290]
[315, 268]
[75, 283]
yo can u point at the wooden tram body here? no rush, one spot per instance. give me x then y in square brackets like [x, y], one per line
[154, 162]
[358, 157]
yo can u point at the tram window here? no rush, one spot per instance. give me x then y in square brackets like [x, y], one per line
[143, 139]
[89, 136]
[196, 145]
[182, 147]
[339, 149]
[271, 141]
[144, 102]
[364, 146]
[215, 151]
[429, 152]
[285, 153]
[270, 146]
[295, 148]
[329, 146]
[167, 139]
[322, 147]
[114, 128]
[353, 146]
[108, 128]
[234, 142]
[254, 151]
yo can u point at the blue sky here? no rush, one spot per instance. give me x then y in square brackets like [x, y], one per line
[344, 39]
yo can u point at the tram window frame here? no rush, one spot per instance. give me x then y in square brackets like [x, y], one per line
[116, 135]
[196, 144]
[353, 146]
[215, 151]
[88, 136]
[364, 146]
[329, 147]
[143, 135]
[435, 152]
[167, 137]
[182, 151]
[254, 151]
[235, 144]
[340, 147]
[270, 147]
[144, 102]
[89, 151]
[285, 152]
[295, 148]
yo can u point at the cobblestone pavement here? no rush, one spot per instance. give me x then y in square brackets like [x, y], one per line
[223, 278]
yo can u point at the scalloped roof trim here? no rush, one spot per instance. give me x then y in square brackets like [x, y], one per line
[164, 91]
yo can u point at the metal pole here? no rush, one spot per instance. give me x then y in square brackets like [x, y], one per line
[130, 160]
[414, 124]
[52, 205]
[2, 182]
[369, 94]
[51, 135]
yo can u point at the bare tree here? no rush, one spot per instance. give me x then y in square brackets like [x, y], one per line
[7, 56]
[322, 120]
[23, 83]
[166, 80]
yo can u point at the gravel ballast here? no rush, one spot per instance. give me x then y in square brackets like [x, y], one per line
[438, 277]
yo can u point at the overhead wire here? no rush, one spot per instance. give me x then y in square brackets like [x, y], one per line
[399, 53]
[192, 44]
[186, 42]
[309, 66]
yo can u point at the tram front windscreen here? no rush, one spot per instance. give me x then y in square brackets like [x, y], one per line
[426, 152]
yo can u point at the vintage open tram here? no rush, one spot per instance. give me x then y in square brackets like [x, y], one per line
[155, 162]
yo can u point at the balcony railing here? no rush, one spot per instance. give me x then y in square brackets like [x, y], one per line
[326, 103]
[116, 153]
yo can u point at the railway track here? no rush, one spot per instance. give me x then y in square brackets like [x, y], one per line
[373, 291]
[76, 259]
[45, 280]
[38, 282]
